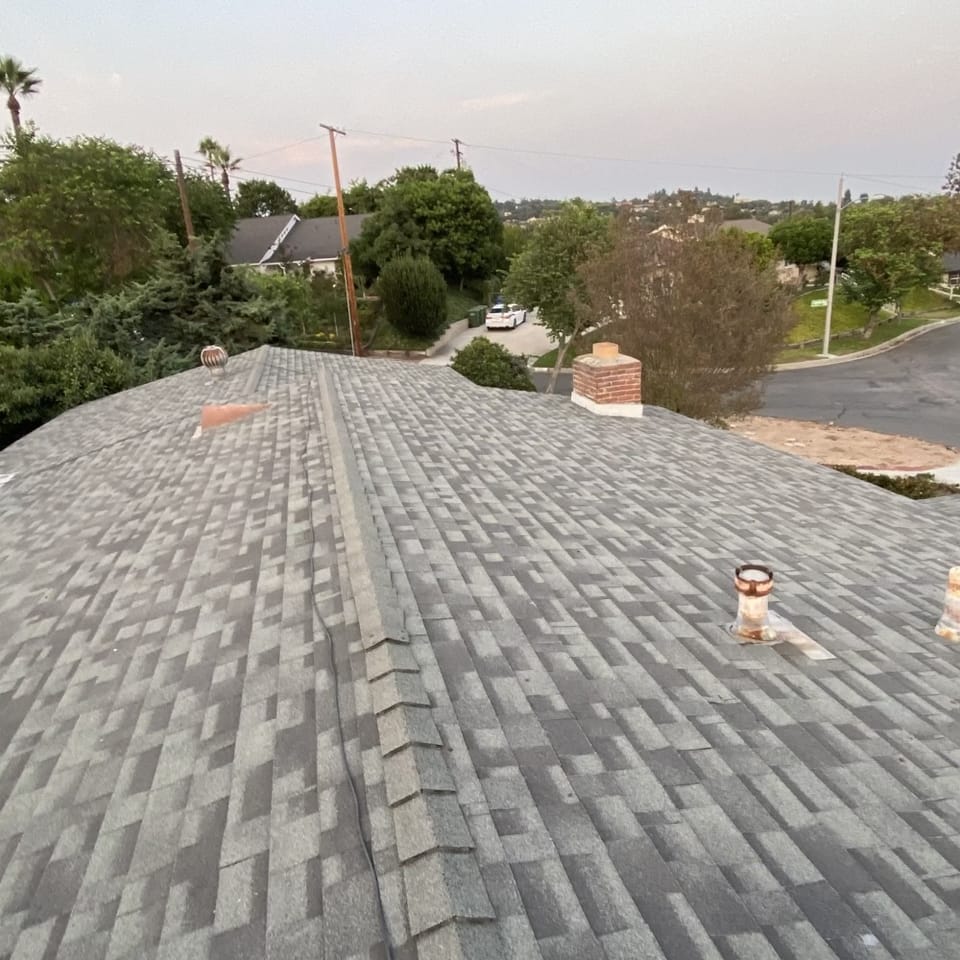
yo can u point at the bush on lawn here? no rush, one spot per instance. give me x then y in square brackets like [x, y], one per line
[414, 296]
[921, 486]
[491, 365]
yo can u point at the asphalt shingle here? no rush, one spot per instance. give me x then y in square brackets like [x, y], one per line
[558, 748]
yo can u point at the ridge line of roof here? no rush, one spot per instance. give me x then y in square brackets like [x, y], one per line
[435, 847]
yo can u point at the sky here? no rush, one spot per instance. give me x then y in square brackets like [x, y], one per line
[590, 98]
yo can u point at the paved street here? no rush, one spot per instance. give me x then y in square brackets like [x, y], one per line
[529, 338]
[912, 390]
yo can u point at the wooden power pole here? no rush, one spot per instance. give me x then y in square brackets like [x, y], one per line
[456, 147]
[184, 202]
[355, 336]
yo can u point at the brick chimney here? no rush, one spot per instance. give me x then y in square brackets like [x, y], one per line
[607, 382]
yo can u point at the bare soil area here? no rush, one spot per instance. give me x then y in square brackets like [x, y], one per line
[829, 444]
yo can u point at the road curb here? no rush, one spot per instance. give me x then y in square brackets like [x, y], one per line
[870, 351]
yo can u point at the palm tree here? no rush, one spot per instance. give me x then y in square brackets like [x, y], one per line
[17, 81]
[218, 157]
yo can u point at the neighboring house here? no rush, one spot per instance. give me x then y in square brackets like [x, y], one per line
[510, 615]
[951, 268]
[748, 225]
[273, 244]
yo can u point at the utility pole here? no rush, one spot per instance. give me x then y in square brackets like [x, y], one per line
[184, 202]
[831, 287]
[355, 336]
[456, 148]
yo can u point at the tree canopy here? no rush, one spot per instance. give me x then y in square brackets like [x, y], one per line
[446, 216]
[952, 183]
[804, 240]
[704, 315]
[17, 81]
[889, 252]
[544, 275]
[81, 215]
[359, 197]
[263, 198]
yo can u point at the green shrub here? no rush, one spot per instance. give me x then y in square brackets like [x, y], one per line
[920, 486]
[414, 296]
[491, 365]
[38, 383]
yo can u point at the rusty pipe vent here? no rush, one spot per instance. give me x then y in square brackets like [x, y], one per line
[754, 584]
[949, 625]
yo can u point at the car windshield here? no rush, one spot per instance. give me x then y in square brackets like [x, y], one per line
[497, 308]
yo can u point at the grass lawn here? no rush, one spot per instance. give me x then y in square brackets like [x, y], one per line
[583, 344]
[458, 303]
[810, 320]
[929, 304]
[883, 333]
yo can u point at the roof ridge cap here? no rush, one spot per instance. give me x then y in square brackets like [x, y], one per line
[435, 847]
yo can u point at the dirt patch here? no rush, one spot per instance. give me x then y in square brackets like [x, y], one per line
[824, 443]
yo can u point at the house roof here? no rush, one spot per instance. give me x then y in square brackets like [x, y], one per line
[512, 615]
[747, 225]
[317, 238]
[254, 236]
[951, 261]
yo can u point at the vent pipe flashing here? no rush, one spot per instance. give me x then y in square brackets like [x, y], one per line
[754, 584]
[949, 625]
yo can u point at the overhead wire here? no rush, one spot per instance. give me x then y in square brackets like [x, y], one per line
[598, 158]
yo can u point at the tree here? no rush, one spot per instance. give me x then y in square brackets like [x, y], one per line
[263, 198]
[544, 275]
[17, 81]
[321, 205]
[213, 214]
[952, 183]
[81, 215]
[762, 248]
[888, 253]
[447, 217]
[359, 197]
[701, 313]
[489, 364]
[414, 295]
[804, 240]
[218, 157]
[38, 383]
[192, 299]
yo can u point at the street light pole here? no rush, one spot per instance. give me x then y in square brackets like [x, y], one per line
[831, 287]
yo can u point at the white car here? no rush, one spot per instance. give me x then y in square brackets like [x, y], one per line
[505, 316]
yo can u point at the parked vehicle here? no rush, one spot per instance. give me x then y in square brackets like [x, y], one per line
[505, 316]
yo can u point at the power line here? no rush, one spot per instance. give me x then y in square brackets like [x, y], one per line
[597, 158]
[286, 146]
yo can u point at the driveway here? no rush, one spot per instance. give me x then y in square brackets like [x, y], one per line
[913, 390]
[529, 338]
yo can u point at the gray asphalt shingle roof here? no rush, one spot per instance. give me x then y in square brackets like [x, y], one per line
[560, 751]
[253, 236]
[318, 238]
[747, 225]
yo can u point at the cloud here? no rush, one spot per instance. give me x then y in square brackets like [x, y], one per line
[498, 100]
